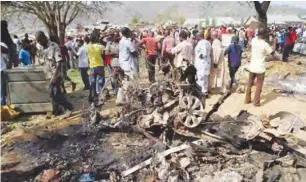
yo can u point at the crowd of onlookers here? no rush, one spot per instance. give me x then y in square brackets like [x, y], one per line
[204, 49]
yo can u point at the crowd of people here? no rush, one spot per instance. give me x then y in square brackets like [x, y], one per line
[213, 58]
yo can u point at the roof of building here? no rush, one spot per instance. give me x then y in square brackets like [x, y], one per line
[284, 18]
[218, 21]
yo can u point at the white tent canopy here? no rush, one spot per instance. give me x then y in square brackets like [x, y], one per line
[283, 19]
[219, 21]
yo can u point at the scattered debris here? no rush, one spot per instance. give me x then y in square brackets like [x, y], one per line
[172, 138]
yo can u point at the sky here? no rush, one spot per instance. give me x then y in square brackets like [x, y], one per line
[297, 4]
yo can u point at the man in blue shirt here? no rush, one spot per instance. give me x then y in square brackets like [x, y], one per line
[234, 52]
[282, 40]
[24, 55]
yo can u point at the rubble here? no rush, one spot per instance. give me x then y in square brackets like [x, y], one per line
[183, 141]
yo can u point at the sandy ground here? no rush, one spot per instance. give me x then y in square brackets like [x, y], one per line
[271, 103]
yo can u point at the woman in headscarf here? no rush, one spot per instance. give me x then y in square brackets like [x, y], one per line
[202, 62]
[217, 75]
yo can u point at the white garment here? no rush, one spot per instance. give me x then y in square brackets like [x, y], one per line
[126, 60]
[260, 49]
[71, 47]
[184, 50]
[203, 65]
[83, 58]
[278, 37]
[304, 33]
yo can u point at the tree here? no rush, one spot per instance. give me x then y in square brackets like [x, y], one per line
[213, 22]
[159, 18]
[262, 9]
[135, 20]
[55, 15]
[181, 20]
[207, 22]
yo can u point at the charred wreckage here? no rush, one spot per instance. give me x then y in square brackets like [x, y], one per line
[187, 142]
[244, 148]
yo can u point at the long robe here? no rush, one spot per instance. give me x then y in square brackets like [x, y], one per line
[203, 64]
[217, 75]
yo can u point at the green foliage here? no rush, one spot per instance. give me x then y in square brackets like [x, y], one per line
[135, 20]
[160, 18]
[181, 20]
[207, 21]
[213, 22]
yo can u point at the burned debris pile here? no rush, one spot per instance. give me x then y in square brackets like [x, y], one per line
[191, 143]
[172, 136]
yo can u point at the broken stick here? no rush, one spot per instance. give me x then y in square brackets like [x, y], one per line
[217, 105]
[160, 156]
[150, 137]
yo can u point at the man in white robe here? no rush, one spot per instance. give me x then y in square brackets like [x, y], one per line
[203, 55]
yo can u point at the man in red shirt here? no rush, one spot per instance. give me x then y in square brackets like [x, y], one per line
[288, 44]
[294, 37]
[223, 30]
[151, 47]
[168, 44]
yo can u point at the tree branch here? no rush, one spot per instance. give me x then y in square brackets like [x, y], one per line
[265, 5]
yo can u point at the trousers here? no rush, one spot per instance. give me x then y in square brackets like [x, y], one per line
[85, 77]
[232, 72]
[259, 84]
[57, 97]
[287, 49]
[97, 81]
[151, 61]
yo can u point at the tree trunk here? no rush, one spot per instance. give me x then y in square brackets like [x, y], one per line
[262, 9]
[53, 34]
[61, 33]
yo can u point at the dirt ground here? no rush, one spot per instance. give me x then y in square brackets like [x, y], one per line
[26, 127]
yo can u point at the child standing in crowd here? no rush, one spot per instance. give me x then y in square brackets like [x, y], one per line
[24, 55]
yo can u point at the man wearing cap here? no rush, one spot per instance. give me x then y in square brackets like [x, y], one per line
[260, 49]
[51, 54]
[203, 57]
[234, 51]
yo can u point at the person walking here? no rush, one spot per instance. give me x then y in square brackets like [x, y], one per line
[260, 49]
[83, 64]
[151, 47]
[203, 57]
[111, 52]
[96, 65]
[4, 61]
[217, 72]
[234, 52]
[127, 54]
[288, 44]
[52, 57]
[168, 44]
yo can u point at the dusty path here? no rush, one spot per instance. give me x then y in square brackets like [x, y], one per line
[271, 104]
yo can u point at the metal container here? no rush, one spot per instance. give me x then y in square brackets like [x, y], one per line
[27, 89]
